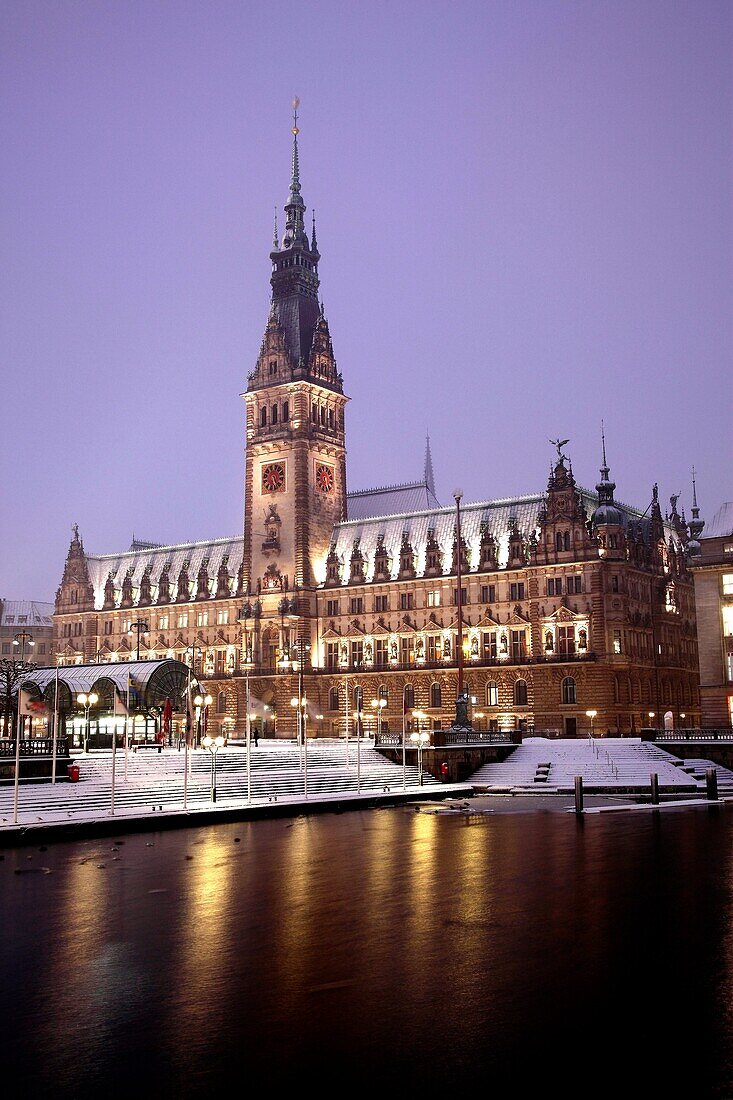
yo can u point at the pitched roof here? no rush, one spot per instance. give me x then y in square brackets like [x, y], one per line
[722, 522]
[25, 613]
[390, 500]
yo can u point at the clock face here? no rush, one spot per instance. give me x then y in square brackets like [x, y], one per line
[273, 477]
[324, 477]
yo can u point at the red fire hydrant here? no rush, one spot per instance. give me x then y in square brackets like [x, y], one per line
[72, 771]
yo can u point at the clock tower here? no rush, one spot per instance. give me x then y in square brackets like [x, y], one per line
[295, 467]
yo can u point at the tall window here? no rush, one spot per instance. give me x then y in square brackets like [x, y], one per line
[566, 639]
[520, 693]
[728, 620]
[435, 695]
[273, 414]
[381, 655]
[554, 586]
[383, 692]
[492, 694]
[333, 699]
[381, 603]
[357, 605]
[358, 698]
[488, 593]
[728, 584]
[332, 608]
[221, 702]
[406, 601]
[357, 652]
[435, 650]
[434, 598]
[516, 590]
[518, 645]
[332, 655]
[162, 623]
[408, 697]
[263, 416]
[202, 618]
[407, 651]
[568, 690]
[222, 616]
[488, 641]
[286, 411]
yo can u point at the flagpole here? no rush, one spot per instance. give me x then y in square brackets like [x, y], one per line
[127, 739]
[248, 734]
[55, 726]
[17, 758]
[114, 755]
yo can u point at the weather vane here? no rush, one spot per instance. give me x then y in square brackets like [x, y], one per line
[559, 444]
[296, 104]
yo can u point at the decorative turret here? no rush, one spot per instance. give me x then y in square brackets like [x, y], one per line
[696, 524]
[381, 561]
[356, 565]
[407, 559]
[562, 518]
[75, 592]
[433, 554]
[487, 549]
[608, 521]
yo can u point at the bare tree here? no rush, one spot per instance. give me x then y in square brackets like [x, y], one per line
[11, 673]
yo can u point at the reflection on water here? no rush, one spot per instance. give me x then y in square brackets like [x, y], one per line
[386, 949]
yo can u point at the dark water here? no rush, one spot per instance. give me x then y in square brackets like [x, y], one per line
[377, 951]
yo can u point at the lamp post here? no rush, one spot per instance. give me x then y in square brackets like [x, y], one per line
[213, 744]
[379, 705]
[461, 699]
[141, 627]
[201, 702]
[86, 700]
[651, 716]
[591, 714]
[20, 639]
[420, 738]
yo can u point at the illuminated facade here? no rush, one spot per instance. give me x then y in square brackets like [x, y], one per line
[570, 600]
[713, 575]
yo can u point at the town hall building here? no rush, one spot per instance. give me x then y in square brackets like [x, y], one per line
[346, 607]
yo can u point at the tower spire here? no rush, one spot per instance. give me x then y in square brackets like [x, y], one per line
[429, 476]
[275, 237]
[696, 524]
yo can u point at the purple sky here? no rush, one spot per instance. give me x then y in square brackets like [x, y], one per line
[524, 213]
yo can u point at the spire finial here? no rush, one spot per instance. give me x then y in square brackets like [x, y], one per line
[314, 243]
[275, 241]
[295, 181]
[694, 493]
[603, 438]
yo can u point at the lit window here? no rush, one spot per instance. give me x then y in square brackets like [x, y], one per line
[222, 616]
[492, 694]
[728, 620]
[202, 618]
[617, 641]
[728, 584]
[182, 619]
[162, 622]
[434, 598]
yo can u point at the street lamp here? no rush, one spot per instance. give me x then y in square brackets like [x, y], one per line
[141, 627]
[20, 639]
[199, 702]
[651, 715]
[245, 614]
[420, 739]
[379, 705]
[591, 714]
[87, 700]
[213, 744]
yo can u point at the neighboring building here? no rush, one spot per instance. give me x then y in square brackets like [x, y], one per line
[26, 631]
[571, 600]
[712, 568]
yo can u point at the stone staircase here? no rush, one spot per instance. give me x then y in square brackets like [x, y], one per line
[152, 781]
[607, 765]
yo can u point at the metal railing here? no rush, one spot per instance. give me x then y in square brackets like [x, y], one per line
[34, 746]
[698, 734]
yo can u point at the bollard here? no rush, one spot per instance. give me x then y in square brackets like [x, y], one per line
[654, 778]
[579, 794]
[711, 783]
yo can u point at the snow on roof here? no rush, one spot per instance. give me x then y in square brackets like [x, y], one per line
[25, 613]
[722, 522]
[390, 500]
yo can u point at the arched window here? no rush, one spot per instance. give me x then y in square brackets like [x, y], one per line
[273, 415]
[520, 693]
[492, 694]
[558, 540]
[436, 699]
[383, 692]
[408, 697]
[568, 690]
[358, 698]
[286, 411]
[221, 702]
[333, 699]
[263, 416]
[566, 540]
[330, 419]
